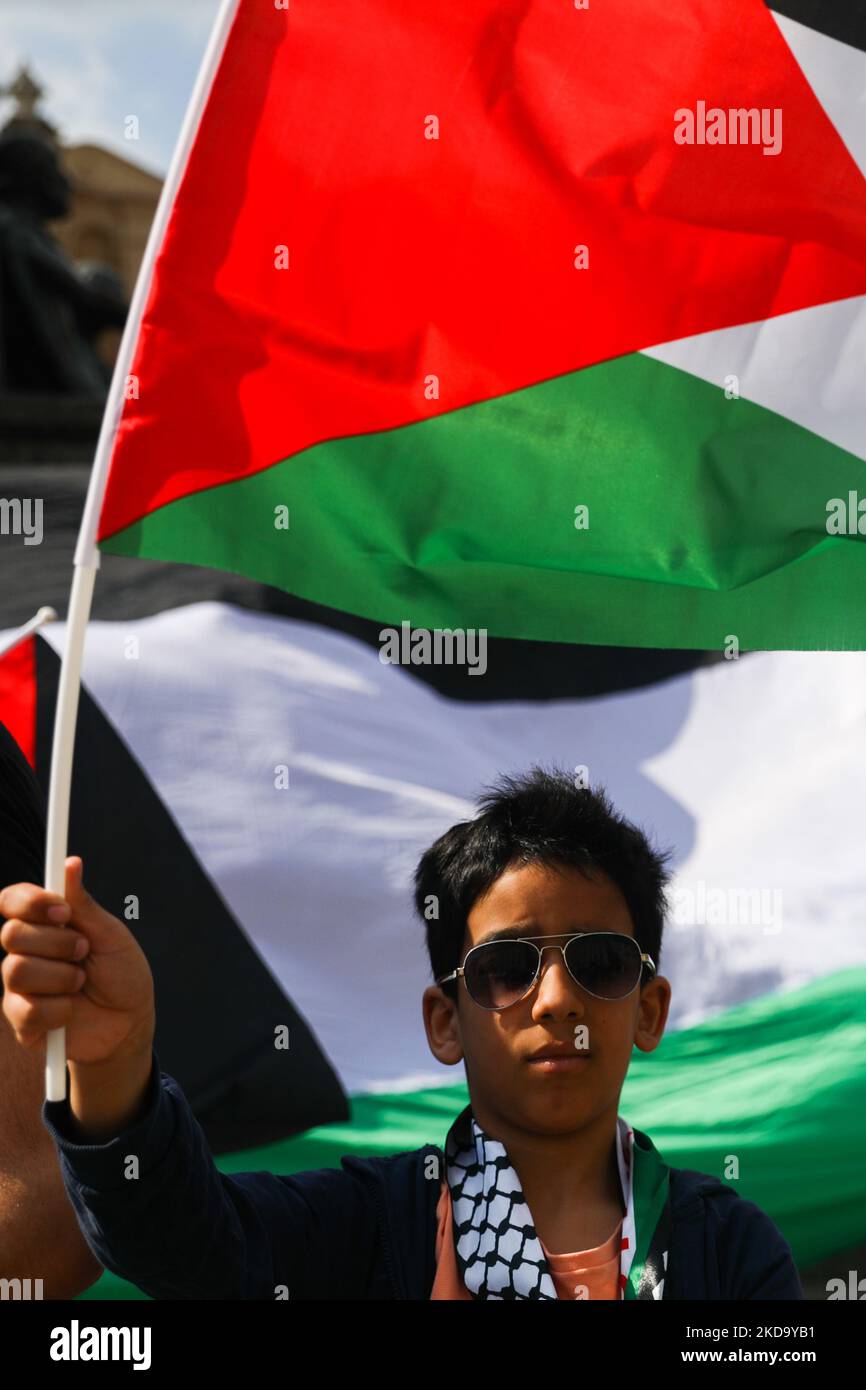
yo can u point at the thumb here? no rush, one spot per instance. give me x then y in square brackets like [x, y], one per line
[91, 919]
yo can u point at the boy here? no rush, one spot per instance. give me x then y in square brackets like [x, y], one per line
[544, 918]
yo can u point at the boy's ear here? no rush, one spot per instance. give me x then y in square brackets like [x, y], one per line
[442, 1026]
[652, 1014]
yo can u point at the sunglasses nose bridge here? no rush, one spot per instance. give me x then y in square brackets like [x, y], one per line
[540, 970]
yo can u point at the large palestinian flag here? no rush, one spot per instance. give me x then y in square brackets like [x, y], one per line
[265, 786]
[534, 318]
[374, 370]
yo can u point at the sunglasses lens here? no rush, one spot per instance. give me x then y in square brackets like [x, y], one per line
[499, 974]
[607, 965]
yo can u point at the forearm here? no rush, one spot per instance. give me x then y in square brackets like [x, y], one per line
[156, 1210]
[159, 1213]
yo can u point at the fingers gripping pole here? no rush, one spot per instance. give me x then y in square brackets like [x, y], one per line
[60, 785]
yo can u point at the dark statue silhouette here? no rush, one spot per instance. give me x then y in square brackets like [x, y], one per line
[51, 310]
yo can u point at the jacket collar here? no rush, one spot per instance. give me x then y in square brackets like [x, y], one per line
[405, 1189]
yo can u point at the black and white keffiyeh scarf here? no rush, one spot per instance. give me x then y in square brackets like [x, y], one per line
[499, 1254]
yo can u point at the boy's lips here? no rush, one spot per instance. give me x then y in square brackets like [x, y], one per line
[558, 1057]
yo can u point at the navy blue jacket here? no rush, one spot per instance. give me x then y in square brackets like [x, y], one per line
[367, 1230]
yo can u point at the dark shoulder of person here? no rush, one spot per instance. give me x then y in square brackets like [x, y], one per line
[22, 820]
[728, 1247]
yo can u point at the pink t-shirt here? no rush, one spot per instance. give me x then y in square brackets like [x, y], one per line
[584, 1274]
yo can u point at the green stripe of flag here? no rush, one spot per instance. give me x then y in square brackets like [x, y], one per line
[706, 517]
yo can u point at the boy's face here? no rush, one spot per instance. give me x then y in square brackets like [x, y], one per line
[509, 1091]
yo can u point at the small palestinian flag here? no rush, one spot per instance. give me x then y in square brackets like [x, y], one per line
[546, 320]
[265, 787]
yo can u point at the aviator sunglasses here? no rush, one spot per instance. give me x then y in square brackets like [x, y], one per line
[497, 974]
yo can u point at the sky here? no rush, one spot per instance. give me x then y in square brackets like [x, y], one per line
[100, 61]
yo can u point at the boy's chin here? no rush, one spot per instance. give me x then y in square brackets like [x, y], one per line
[552, 1115]
[557, 1112]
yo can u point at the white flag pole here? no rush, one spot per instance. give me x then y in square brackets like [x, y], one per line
[86, 558]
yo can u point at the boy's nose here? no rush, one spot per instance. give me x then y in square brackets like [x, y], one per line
[555, 990]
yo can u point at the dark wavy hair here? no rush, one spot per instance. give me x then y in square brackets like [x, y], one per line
[539, 816]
